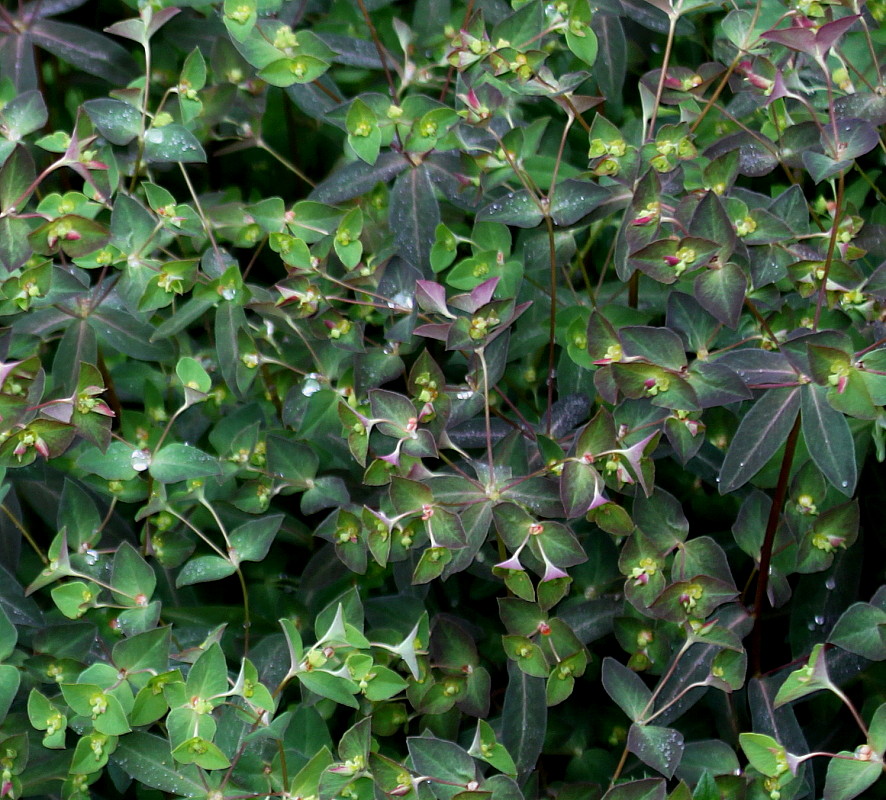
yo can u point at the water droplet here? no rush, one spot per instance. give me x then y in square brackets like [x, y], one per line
[844, 484]
[90, 556]
[811, 626]
[819, 619]
[140, 460]
[466, 394]
[311, 386]
[154, 136]
[741, 463]
[830, 583]
[229, 293]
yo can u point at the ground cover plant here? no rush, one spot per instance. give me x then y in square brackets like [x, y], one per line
[442, 399]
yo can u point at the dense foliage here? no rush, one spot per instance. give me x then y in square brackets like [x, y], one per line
[442, 400]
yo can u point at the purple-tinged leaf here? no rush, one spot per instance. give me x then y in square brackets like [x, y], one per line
[761, 432]
[758, 368]
[432, 297]
[22, 115]
[645, 789]
[869, 106]
[656, 345]
[828, 439]
[16, 179]
[17, 62]
[581, 489]
[358, 178]
[478, 297]
[659, 748]
[854, 138]
[822, 167]
[711, 222]
[626, 688]
[721, 291]
[524, 718]
[814, 42]
[86, 50]
[716, 384]
[413, 217]
[758, 155]
[573, 199]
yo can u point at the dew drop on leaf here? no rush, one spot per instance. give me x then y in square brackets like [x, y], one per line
[140, 460]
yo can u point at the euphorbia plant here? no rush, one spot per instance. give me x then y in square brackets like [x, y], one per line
[550, 379]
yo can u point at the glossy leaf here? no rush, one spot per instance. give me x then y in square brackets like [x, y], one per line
[761, 432]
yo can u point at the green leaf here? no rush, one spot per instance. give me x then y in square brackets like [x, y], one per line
[126, 334]
[764, 753]
[202, 753]
[877, 731]
[178, 462]
[573, 199]
[761, 432]
[115, 464]
[431, 564]
[23, 114]
[861, 629]
[626, 688]
[117, 121]
[442, 759]
[148, 760]
[287, 71]
[849, 776]
[15, 249]
[517, 208]
[74, 598]
[208, 677]
[8, 636]
[16, 179]
[413, 216]
[132, 577]
[582, 41]
[146, 652]
[105, 710]
[43, 714]
[660, 748]
[334, 687]
[193, 375]
[486, 747]
[252, 540]
[173, 143]
[646, 789]
[10, 679]
[524, 718]
[85, 50]
[527, 655]
[721, 292]
[203, 569]
[828, 439]
[78, 514]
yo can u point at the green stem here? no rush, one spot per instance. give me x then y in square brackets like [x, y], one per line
[24, 532]
[672, 27]
[832, 245]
